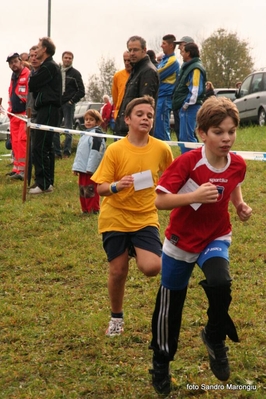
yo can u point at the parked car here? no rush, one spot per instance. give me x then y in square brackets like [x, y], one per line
[81, 108]
[226, 92]
[4, 126]
[251, 99]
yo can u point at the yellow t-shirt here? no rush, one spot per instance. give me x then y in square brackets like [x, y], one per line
[131, 210]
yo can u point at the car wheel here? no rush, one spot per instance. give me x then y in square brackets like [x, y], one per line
[262, 117]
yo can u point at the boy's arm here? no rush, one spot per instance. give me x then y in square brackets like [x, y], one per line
[243, 210]
[206, 193]
[104, 189]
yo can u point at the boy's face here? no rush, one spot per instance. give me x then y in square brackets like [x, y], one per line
[89, 122]
[141, 119]
[218, 140]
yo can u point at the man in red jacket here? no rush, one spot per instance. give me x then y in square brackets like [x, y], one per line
[18, 91]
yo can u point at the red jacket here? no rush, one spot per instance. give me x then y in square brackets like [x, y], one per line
[21, 90]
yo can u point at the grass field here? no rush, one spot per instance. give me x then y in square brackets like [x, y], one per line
[54, 303]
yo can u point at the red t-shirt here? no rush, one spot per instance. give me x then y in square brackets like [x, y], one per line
[190, 229]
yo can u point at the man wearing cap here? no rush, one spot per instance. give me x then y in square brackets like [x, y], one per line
[18, 91]
[168, 70]
[181, 43]
[46, 86]
[189, 92]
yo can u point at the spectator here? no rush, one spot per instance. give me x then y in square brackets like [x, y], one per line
[168, 70]
[238, 85]
[72, 91]
[197, 187]
[159, 57]
[89, 153]
[181, 43]
[189, 92]
[152, 56]
[143, 80]
[128, 219]
[209, 90]
[119, 83]
[46, 86]
[106, 112]
[18, 92]
[25, 60]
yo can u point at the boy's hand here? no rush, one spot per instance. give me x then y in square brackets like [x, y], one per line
[244, 211]
[206, 193]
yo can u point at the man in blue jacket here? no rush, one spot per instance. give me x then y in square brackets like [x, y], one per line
[168, 70]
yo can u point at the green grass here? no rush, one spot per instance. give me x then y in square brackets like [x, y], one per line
[54, 305]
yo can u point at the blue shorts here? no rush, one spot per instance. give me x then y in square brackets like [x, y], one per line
[115, 243]
[176, 273]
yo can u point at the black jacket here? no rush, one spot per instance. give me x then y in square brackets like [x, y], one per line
[46, 84]
[74, 89]
[143, 80]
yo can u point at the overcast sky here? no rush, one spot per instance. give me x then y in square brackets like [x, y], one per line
[91, 29]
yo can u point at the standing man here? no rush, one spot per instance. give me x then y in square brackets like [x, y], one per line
[119, 83]
[128, 219]
[143, 80]
[189, 92]
[46, 86]
[168, 70]
[18, 91]
[181, 43]
[72, 91]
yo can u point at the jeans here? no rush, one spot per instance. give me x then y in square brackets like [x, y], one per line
[67, 112]
[162, 121]
[188, 125]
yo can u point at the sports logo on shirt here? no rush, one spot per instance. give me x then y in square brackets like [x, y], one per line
[220, 192]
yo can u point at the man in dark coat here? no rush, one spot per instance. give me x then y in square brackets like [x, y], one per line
[143, 80]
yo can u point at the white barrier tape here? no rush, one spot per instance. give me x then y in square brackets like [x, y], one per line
[248, 155]
[72, 131]
[4, 131]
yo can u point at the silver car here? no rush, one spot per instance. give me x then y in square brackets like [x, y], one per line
[251, 99]
[4, 126]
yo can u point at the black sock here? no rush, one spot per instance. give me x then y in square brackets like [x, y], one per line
[117, 315]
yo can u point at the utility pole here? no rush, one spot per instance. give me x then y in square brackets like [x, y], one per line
[49, 18]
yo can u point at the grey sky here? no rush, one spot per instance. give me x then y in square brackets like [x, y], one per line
[92, 29]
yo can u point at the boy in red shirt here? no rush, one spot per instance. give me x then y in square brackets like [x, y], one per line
[197, 187]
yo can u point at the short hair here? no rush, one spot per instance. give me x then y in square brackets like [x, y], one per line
[24, 56]
[106, 96]
[33, 48]
[140, 39]
[151, 54]
[193, 49]
[68, 52]
[137, 101]
[95, 115]
[214, 110]
[49, 44]
[170, 39]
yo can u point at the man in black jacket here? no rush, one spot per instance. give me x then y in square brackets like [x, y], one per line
[143, 80]
[46, 86]
[72, 91]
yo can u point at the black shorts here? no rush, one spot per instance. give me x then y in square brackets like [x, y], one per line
[115, 243]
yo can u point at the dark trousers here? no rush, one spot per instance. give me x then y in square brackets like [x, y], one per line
[42, 146]
[67, 112]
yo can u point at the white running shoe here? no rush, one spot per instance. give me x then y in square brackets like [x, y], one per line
[116, 327]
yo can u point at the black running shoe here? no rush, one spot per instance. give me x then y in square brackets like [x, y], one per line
[161, 379]
[218, 359]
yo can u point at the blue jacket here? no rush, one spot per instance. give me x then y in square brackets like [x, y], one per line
[89, 152]
[168, 71]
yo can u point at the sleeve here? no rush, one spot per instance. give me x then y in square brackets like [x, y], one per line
[80, 93]
[174, 177]
[149, 83]
[168, 69]
[96, 154]
[41, 78]
[106, 170]
[195, 88]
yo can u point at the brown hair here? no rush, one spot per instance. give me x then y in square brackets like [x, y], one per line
[95, 115]
[214, 110]
[68, 52]
[48, 44]
[140, 100]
